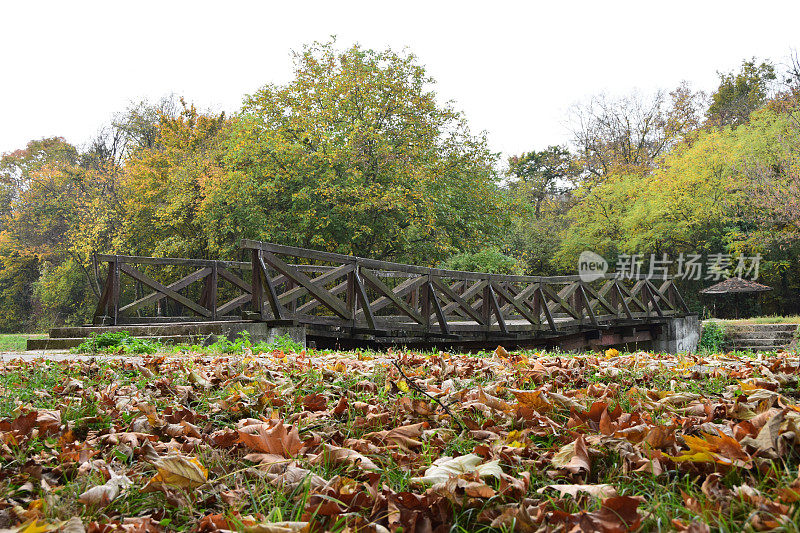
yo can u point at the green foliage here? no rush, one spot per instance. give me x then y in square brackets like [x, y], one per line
[356, 156]
[284, 343]
[242, 341]
[17, 276]
[490, 260]
[712, 338]
[223, 345]
[60, 294]
[741, 93]
[116, 342]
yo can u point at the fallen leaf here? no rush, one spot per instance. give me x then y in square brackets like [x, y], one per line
[444, 467]
[177, 471]
[598, 491]
[271, 437]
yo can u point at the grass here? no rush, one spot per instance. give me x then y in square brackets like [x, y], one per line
[17, 342]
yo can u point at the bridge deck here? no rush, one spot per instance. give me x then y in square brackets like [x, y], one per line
[347, 297]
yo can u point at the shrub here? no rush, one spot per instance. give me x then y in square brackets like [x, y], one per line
[712, 338]
[116, 342]
[488, 260]
[284, 343]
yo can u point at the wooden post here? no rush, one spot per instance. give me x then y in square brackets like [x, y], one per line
[115, 290]
[257, 301]
[486, 305]
[212, 300]
[350, 294]
[426, 308]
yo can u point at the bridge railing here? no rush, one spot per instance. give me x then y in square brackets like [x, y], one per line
[315, 287]
[150, 289]
[297, 285]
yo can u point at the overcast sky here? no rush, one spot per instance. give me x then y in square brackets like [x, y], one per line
[514, 68]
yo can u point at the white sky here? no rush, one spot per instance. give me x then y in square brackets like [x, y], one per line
[514, 68]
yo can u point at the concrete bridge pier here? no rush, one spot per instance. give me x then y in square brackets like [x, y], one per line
[679, 334]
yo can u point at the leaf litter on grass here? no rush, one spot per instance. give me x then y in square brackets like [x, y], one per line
[402, 441]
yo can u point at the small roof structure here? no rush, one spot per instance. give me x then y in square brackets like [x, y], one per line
[735, 286]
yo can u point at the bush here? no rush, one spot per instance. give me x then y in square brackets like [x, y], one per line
[116, 342]
[712, 337]
[488, 260]
[223, 345]
[284, 343]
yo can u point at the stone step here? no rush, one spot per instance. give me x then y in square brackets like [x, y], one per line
[773, 335]
[758, 342]
[760, 327]
[150, 330]
[749, 348]
[65, 343]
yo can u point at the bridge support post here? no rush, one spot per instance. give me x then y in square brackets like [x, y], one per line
[678, 335]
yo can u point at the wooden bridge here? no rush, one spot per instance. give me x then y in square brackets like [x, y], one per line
[350, 301]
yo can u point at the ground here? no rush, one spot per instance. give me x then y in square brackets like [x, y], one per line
[400, 441]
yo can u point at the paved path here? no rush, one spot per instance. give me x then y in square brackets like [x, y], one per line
[55, 355]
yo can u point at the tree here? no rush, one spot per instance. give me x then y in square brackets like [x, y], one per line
[740, 93]
[355, 155]
[541, 176]
[169, 183]
[628, 134]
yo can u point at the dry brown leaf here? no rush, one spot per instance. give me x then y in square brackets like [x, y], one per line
[598, 491]
[177, 471]
[333, 455]
[271, 437]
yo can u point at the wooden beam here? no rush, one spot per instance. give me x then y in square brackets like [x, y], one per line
[548, 315]
[457, 299]
[178, 285]
[226, 274]
[257, 288]
[314, 303]
[600, 299]
[386, 291]
[589, 310]
[558, 298]
[295, 293]
[272, 295]
[153, 284]
[361, 292]
[403, 288]
[501, 322]
[510, 299]
[333, 303]
[622, 300]
[437, 309]
[232, 304]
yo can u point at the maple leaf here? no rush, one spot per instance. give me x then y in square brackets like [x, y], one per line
[535, 399]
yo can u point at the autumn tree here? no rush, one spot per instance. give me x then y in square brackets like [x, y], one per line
[740, 93]
[355, 155]
[628, 134]
[168, 183]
